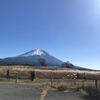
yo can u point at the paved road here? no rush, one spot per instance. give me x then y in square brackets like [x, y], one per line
[31, 92]
[19, 92]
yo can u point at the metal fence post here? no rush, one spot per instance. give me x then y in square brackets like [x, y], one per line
[16, 77]
[96, 84]
[51, 79]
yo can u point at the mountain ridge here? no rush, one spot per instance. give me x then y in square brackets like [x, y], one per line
[33, 57]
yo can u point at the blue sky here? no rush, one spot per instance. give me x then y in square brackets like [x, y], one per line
[67, 29]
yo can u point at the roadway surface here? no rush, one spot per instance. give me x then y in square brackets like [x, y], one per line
[28, 91]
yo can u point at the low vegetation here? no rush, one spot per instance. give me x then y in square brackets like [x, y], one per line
[91, 93]
[62, 87]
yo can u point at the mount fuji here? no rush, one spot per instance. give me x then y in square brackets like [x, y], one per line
[35, 57]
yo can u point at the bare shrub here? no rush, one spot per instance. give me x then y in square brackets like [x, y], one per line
[92, 93]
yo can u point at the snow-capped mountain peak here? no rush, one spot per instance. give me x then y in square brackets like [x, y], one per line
[38, 52]
[37, 57]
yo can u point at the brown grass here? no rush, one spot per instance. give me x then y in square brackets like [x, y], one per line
[47, 73]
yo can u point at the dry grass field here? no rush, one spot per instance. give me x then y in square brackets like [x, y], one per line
[47, 73]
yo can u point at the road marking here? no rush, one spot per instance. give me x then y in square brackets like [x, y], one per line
[43, 94]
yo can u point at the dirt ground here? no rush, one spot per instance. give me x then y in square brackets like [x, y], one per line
[56, 95]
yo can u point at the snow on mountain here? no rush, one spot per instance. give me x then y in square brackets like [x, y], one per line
[38, 52]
